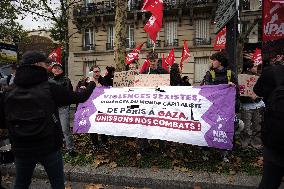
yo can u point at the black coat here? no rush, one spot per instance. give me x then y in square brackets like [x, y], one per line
[30, 76]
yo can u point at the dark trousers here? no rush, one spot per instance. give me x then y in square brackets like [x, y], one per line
[272, 176]
[52, 163]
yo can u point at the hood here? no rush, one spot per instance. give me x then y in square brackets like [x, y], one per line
[27, 76]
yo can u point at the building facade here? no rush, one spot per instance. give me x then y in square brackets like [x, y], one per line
[189, 20]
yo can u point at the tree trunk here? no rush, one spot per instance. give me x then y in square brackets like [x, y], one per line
[120, 34]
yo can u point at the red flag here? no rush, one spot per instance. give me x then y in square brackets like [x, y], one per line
[185, 53]
[273, 21]
[56, 55]
[134, 55]
[256, 57]
[170, 60]
[220, 42]
[277, 1]
[155, 7]
[164, 64]
[154, 24]
[145, 66]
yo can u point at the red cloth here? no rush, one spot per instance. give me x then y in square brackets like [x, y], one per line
[256, 57]
[134, 55]
[185, 53]
[145, 66]
[164, 64]
[272, 21]
[154, 24]
[170, 60]
[220, 42]
[56, 55]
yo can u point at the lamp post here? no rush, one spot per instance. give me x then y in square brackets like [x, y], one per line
[16, 41]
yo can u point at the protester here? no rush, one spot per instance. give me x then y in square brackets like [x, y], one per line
[144, 146]
[175, 77]
[108, 78]
[154, 68]
[99, 80]
[31, 116]
[251, 113]
[185, 81]
[64, 111]
[272, 130]
[219, 73]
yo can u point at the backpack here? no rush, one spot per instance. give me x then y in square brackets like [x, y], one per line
[213, 75]
[273, 128]
[30, 113]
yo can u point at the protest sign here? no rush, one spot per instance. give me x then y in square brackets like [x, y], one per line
[202, 115]
[152, 80]
[246, 84]
[124, 78]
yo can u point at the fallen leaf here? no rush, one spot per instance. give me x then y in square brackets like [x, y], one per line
[112, 165]
[94, 186]
[197, 187]
[232, 172]
[175, 162]
[98, 162]
[132, 143]
[68, 187]
[184, 169]
[155, 169]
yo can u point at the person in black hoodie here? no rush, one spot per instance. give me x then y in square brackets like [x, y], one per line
[108, 78]
[28, 151]
[272, 127]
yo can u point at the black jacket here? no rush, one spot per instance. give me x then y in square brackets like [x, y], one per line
[159, 70]
[30, 76]
[62, 80]
[266, 83]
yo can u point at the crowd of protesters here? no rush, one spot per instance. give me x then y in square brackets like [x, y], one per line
[32, 73]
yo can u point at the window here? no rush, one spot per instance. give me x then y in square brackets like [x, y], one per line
[171, 33]
[110, 37]
[246, 5]
[88, 2]
[202, 32]
[200, 68]
[89, 39]
[130, 43]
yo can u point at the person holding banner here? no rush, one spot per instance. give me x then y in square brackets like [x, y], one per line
[153, 69]
[251, 113]
[99, 80]
[219, 73]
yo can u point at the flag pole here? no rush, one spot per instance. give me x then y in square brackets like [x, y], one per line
[154, 46]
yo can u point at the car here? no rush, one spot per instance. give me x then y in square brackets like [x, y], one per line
[5, 70]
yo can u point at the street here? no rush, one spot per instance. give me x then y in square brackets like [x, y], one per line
[44, 184]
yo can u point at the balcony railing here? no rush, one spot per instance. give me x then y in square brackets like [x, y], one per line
[150, 45]
[108, 6]
[109, 46]
[90, 47]
[202, 41]
[173, 43]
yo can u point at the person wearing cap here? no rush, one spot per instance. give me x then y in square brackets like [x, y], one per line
[32, 73]
[154, 68]
[64, 111]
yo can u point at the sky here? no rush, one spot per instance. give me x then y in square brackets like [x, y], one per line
[30, 24]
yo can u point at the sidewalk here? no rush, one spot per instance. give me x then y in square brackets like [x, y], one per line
[161, 178]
